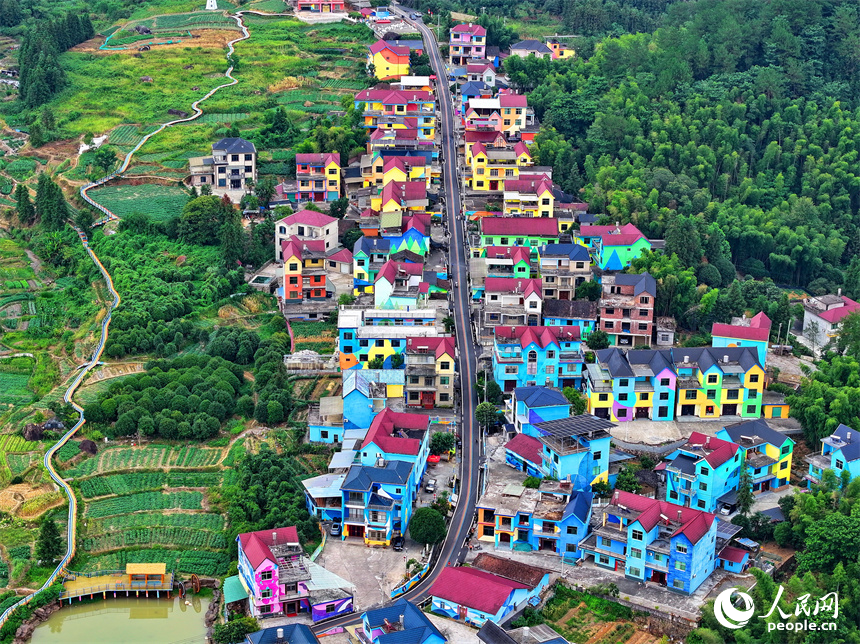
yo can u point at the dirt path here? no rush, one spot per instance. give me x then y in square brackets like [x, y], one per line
[35, 262]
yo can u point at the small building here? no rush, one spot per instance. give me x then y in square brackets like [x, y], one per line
[702, 471]
[273, 571]
[317, 177]
[735, 560]
[823, 315]
[476, 596]
[387, 60]
[536, 404]
[325, 420]
[400, 623]
[665, 335]
[614, 247]
[576, 449]
[563, 267]
[323, 496]
[366, 392]
[529, 198]
[840, 452]
[511, 301]
[627, 308]
[523, 453]
[466, 42]
[377, 501]
[526, 48]
[578, 313]
[525, 356]
[430, 372]
[320, 6]
[744, 332]
[232, 164]
[560, 51]
[481, 73]
[400, 285]
[766, 453]
[512, 231]
[306, 226]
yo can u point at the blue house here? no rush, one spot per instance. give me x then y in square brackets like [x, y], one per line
[702, 472]
[576, 449]
[767, 453]
[734, 560]
[396, 436]
[656, 541]
[525, 356]
[325, 420]
[840, 452]
[377, 502]
[529, 405]
[366, 392]
[580, 313]
[323, 496]
[524, 453]
[401, 623]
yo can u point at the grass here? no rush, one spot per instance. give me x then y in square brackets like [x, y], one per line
[159, 203]
[13, 389]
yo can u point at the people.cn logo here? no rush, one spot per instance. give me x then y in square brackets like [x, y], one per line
[727, 614]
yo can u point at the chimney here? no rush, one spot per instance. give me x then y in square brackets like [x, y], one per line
[280, 633]
[525, 634]
[686, 359]
[847, 437]
[274, 537]
[679, 515]
[839, 291]
[726, 359]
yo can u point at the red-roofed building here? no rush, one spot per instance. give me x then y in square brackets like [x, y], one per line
[511, 301]
[317, 178]
[397, 436]
[430, 371]
[734, 560]
[467, 42]
[306, 226]
[744, 332]
[657, 541]
[702, 471]
[393, 109]
[273, 572]
[475, 595]
[523, 452]
[822, 316]
[388, 61]
[400, 285]
[525, 356]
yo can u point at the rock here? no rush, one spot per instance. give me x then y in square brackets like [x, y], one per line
[33, 432]
[146, 79]
[89, 447]
[25, 631]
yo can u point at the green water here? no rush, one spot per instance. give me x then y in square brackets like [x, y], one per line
[126, 621]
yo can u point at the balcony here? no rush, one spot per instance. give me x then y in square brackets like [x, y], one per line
[820, 461]
[355, 501]
[602, 386]
[642, 386]
[571, 356]
[732, 382]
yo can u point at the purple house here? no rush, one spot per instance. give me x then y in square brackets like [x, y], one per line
[280, 580]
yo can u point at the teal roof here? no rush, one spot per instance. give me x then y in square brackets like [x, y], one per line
[234, 591]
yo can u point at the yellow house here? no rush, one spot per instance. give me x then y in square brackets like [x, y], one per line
[489, 169]
[406, 168]
[390, 109]
[767, 453]
[529, 198]
[559, 50]
[398, 198]
[388, 61]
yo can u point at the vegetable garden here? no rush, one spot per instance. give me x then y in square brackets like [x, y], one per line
[152, 457]
[142, 481]
[144, 501]
[159, 203]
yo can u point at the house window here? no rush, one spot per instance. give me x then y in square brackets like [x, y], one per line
[643, 396]
[609, 325]
[705, 471]
[636, 572]
[444, 380]
[643, 312]
[606, 541]
[602, 397]
[294, 280]
[703, 486]
[330, 608]
[294, 267]
[680, 547]
[323, 434]
[839, 464]
[266, 575]
[643, 326]
[570, 547]
[644, 300]
[265, 610]
[413, 395]
[550, 355]
[673, 495]
[636, 535]
[732, 394]
[603, 560]
[266, 594]
[445, 366]
[750, 409]
[664, 382]
[701, 504]
[680, 565]
[249, 157]
[572, 530]
[664, 395]
[622, 413]
[622, 396]
[623, 382]
[785, 449]
[444, 397]
[690, 394]
[677, 583]
[636, 553]
[754, 377]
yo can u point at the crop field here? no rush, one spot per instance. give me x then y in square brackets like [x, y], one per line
[13, 389]
[183, 537]
[142, 481]
[223, 118]
[199, 562]
[159, 203]
[186, 21]
[152, 457]
[125, 135]
[272, 6]
[20, 463]
[144, 501]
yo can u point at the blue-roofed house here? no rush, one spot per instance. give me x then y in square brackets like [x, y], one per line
[377, 502]
[366, 393]
[767, 453]
[474, 89]
[581, 313]
[369, 254]
[288, 634]
[323, 496]
[840, 452]
[573, 527]
[703, 470]
[563, 267]
[529, 405]
[400, 623]
[397, 436]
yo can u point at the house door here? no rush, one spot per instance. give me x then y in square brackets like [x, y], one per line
[730, 410]
[461, 612]
[428, 399]
[522, 535]
[291, 608]
[642, 412]
[564, 295]
[602, 412]
[765, 486]
[658, 577]
[688, 410]
[547, 544]
[235, 184]
[504, 537]
[494, 185]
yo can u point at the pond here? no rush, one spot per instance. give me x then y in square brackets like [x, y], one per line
[126, 621]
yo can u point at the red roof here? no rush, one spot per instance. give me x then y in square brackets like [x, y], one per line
[439, 346]
[694, 523]
[420, 221]
[521, 148]
[478, 68]
[835, 315]
[476, 30]
[256, 545]
[343, 255]
[528, 447]
[381, 45]
[384, 429]
[394, 96]
[530, 187]
[401, 191]
[308, 218]
[520, 226]
[543, 336]
[401, 135]
[512, 100]
[317, 158]
[735, 555]
[740, 332]
[719, 450]
[513, 285]
[483, 136]
[474, 588]
[403, 162]
[391, 270]
[514, 253]
[625, 235]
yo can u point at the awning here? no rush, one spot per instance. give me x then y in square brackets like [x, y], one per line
[433, 458]
[234, 591]
[730, 497]
[747, 543]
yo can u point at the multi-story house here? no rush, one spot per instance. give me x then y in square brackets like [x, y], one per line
[482, 72]
[397, 109]
[489, 138]
[526, 48]
[576, 449]
[273, 571]
[398, 436]
[323, 497]
[366, 392]
[560, 51]
[840, 452]
[402, 622]
[305, 275]
[627, 309]
[636, 384]
[524, 356]
[400, 285]
[581, 313]
[613, 248]
[390, 206]
[766, 452]
[378, 169]
[402, 142]
[510, 231]
[430, 372]
[719, 382]
[504, 261]
[744, 332]
[562, 268]
[306, 226]
[702, 471]
[364, 335]
[368, 256]
[656, 541]
[317, 178]
[232, 164]
[822, 316]
[466, 42]
[532, 198]
[470, 90]
[489, 169]
[414, 83]
[377, 501]
[387, 60]
[511, 301]
[529, 405]
[320, 6]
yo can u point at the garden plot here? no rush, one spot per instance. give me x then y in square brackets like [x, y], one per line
[159, 203]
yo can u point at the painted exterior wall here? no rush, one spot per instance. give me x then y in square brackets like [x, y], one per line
[620, 257]
[512, 366]
[709, 483]
[330, 609]
[761, 347]
[328, 434]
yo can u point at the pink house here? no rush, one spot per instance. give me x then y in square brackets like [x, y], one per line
[273, 571]
[467, 42]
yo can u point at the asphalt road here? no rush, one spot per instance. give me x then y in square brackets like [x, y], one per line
[454, 547]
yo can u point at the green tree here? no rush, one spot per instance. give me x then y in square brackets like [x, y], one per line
[589, 290]
[448, 321]
[274, 412]
[232, 238]
[833, 540]
[427, 526]
[49, 546]
[442, 443]
[235, 630]
[26, 211]
[598, 340]
[339, 207]
[345, 299]
[265, 190]
[201, 220]
[848, 340]
[532, 482]
[486, 414]
[397, 361]
[627, 480]
[377, 363]
[104, 158]
[577, 401]
[745, 492]
[84, 219]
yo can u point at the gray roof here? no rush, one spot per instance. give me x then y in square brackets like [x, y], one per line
[417, 627]
[579, 506]
[581, 425]
[757, 427]
[570, 309]
[686, 464]
[235, 145]
[492, 633]
[531, 45]
[362, 477]
[576, 252]
[616, 362]
[775, 514]
[641, 282]
[851, 451]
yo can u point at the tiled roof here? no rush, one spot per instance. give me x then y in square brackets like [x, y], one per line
[256, 545]
[694, 523]
[641, 282]
[520, 226]
[529, 187]
[476, 30]
[512, 569]
[719, 450]
[293, 634]
[528, 447]
[401, 135]
[417, 627]
[512, 100]
[342, 255]
[369, 245]
[317, 158]
[440, 345]
[392, 270]
[835, 315]
[385, 428]
[851, 449]
[474, 588]
[394, 96]
[575, 252]
[579, 505]
[401, 191]
[570, 309]
[531, 45]
[540, 396]
[513, 285]
[740, 332]
[613, 235]
[757, 427]
[514, 253]
[543, 336]
[382, 45]
[364, 477]
[735, 555]
[235, 145]
[308, 218]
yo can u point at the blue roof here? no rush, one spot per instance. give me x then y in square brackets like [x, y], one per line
[539, 396]
[587, 218]
[474, 88]
[371, 245]
[417, 627]
[362, 477]
[293, 634]
[579, 506]
[576, 252]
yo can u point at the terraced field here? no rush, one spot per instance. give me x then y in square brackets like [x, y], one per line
[159, 203]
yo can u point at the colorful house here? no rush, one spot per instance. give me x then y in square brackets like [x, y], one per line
[840, 452]
[524, 356]
[323, 496]
[366, 392]
[563, 267]
[560, 51]
[317, 176]
[401, 141]
[510, 231]
[636, 384]
[377, 502]
[369, 254]
[413, 234]
[627, 308]
[766, 452]
[306, 226]
[703, 471]
[719, 382]
[385, 169]
[365, 335]
[400, 285]
[400, 623]
[397, 436]
[656, 541]
[822, 316]
[387, 60]
[273, 571]
[576, 449]
[579, 313]
[523, 453]
[744, 332]
[466, 42]
[491, 169]
[511, 301]
[529, 198]
[399, 110]
[529, 405]
[613, 248]
[305, 275]
[393, 202]
[325, 420]
[430, 372]
[507, 262]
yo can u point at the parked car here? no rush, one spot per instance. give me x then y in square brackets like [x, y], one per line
[430, 487]
[335, 529]
[397, 543]
[726, 510]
